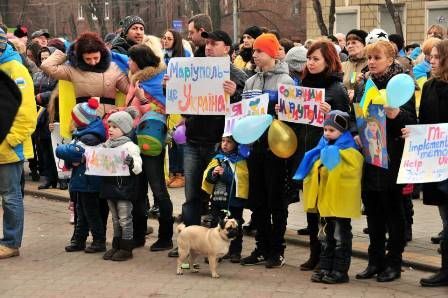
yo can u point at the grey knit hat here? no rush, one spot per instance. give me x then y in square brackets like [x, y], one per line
[122, 120]
[128, 21]
[296, 58]
[337, 119]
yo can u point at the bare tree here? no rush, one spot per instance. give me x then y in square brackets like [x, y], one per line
[73, 28]
[95, 14]
[395, 17]
[324, 30]
[195, 8]
[215, 14]
[4, 4]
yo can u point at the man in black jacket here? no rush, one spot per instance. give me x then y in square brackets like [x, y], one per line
[132, 33]
[205, 131]
[196, 26]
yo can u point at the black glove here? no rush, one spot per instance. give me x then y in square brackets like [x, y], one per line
[129, 161]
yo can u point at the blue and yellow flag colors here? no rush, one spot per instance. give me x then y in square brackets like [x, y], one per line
[370, 93]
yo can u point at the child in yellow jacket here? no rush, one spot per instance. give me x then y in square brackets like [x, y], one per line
[331, 174]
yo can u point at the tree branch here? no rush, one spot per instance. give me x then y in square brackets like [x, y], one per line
[320, 20]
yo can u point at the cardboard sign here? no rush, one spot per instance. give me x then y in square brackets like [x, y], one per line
[56, 140]
[425, 154]
[301, 104]
[252, 106]
[196, 86]
[102, 161]
[372, 132]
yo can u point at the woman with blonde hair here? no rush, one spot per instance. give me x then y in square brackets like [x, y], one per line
[436, 31]
[382, 197]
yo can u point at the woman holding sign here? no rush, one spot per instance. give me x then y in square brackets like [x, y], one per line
[323, 70]
[434, 109]
[382, 197]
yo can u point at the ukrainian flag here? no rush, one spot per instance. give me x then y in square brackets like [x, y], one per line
[371, 92]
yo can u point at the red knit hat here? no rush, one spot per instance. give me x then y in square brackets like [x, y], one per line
[268, 43]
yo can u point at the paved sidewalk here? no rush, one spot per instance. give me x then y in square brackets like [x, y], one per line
[44, 269]
[419, 254]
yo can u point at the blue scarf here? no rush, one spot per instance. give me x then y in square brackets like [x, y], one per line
[233, 156]
[153, 86]
[322, 151]
[9, 55]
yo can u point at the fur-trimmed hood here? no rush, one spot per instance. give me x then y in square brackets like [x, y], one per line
[146, 73]
[77, 61]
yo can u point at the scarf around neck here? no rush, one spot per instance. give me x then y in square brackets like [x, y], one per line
[112, 143]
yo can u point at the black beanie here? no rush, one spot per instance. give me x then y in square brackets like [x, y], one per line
[359, 35]
[127, 23]
[253, 31]
[398, 40]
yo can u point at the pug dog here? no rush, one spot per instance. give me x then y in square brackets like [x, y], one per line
[214, 243]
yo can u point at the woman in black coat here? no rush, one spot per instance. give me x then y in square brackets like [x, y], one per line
[323, 70]
[382, 197]
[434, 109]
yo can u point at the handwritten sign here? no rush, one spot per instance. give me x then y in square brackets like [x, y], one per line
[301, 104]
[102, 161]
[372, 132]
[57, 139]
[425, 154]
[252, 106]
[196, 86]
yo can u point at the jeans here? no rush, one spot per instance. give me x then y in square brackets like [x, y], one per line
[89, 218]
[196, 159]
[336, 249]
[10, 191]
[385, 213]
[176, 158]
[122, 218]
[153, 166]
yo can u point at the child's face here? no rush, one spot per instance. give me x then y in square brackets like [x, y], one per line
[227, 144]
[372, 127]
[114, 131]
[331, 133]
[261, 59]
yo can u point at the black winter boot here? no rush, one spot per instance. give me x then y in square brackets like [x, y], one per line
[439, 279]
[75, 246]
[125, 251]
[115, 246]
[314, 258]
[96, 246]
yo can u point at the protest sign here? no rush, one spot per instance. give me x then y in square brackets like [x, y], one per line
[301, 104]
[196, 86]
[372, 132]
[251, 106]
[102, 161]
[425, 154]
[56, 140]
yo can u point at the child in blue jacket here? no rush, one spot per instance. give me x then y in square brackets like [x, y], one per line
[89, 131]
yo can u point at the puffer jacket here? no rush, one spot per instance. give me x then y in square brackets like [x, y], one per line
[17, 145]
[102, 80]
[267, 82]
[92, 135]
[121, 45]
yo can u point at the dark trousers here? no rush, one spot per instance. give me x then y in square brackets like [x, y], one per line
[176, 158]
[336, 249]
[89, 217]
[313, 226]
[385, 213]
[236, 245]
[196, 159]
[153, 167]
[270, 207]
[140, 209]
[46, 159]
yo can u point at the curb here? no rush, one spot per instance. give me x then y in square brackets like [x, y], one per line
[288, 235]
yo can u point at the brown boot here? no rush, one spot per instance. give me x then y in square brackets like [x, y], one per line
[179, 181]
[170, 179]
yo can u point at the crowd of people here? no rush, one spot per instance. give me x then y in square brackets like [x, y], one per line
[215, 174]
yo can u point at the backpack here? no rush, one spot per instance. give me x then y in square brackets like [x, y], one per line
[151, 133]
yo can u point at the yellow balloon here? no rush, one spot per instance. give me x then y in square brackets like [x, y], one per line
[282, 139]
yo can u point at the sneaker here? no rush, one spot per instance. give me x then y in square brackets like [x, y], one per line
[276, 261]
[255, 258]
[161, 244]
[8, 252]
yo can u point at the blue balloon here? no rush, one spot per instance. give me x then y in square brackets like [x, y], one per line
[399, 90]
[244, 150]
[249, 129]
[330, 157]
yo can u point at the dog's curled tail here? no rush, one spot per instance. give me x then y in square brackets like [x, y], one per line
[180, 228]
